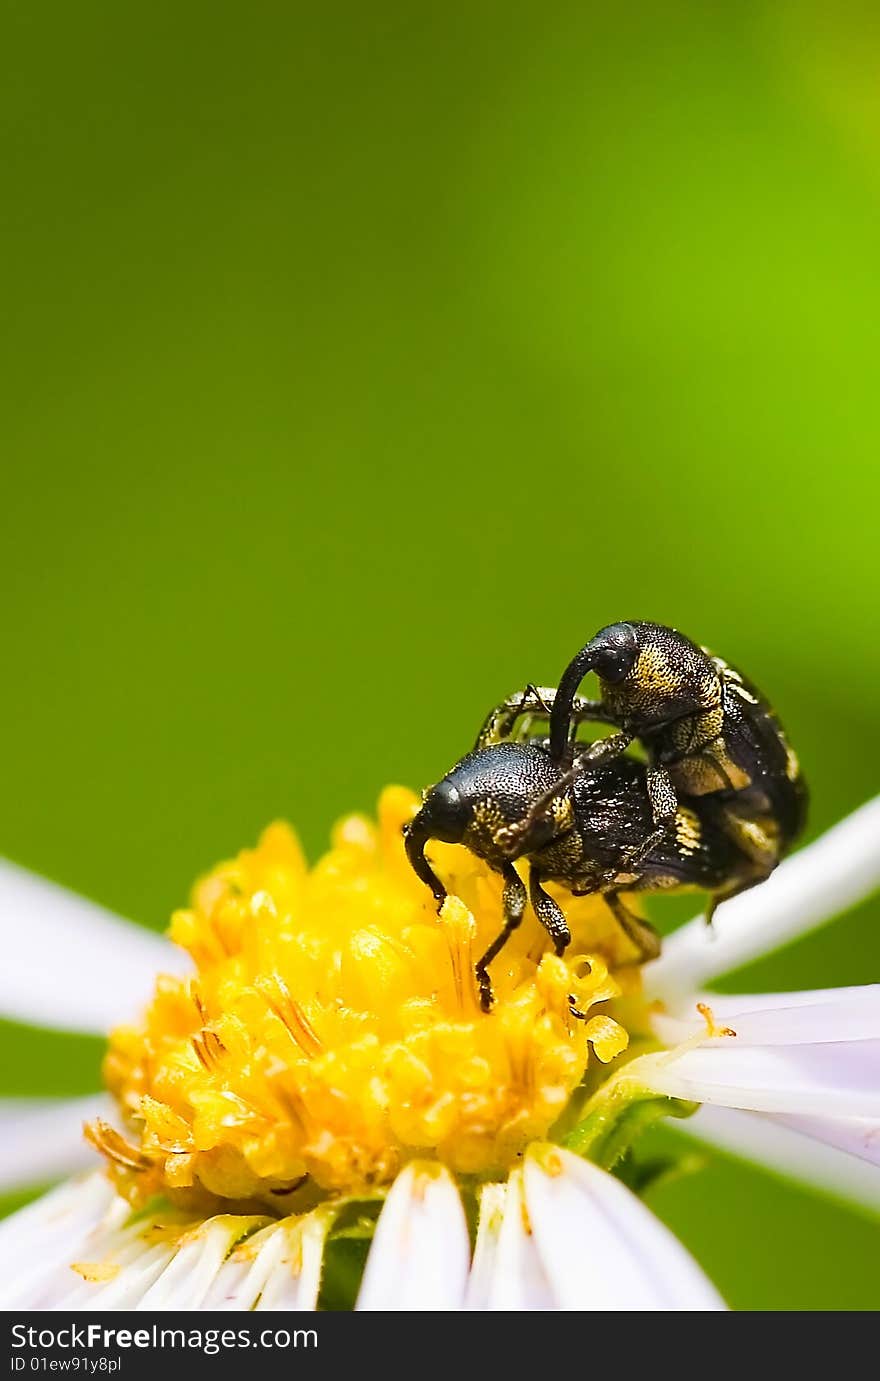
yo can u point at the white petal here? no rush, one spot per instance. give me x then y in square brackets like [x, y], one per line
[757, 1002]
[858, 1136]
[420, 1252]
[133, 1268]
[42, 1139]
[85, 1198]
[836, 1080]
[239, 1282]
[483, 1266]
[276, 1268]
[136, 1263]
[817, 1152]
[79, 1248]
[295, 1281]
[47, 1236]
[68, 963]
[518, 1281]
[840, 869]
[189, 1276]
[601, 1248]
[810, 1018]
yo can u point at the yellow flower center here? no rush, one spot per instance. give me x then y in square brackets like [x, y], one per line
[333, 1030]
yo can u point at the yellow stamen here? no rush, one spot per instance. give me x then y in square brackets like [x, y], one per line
[333, 1030]
[713, 1030]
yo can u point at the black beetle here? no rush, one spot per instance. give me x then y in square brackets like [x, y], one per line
[705, 729]
[590, 826]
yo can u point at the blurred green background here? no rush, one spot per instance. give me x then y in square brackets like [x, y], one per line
[360, 362]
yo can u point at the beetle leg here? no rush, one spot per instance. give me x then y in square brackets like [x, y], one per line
[549, 913]
[661, 793]
[520, 838]
[501, 722]
[757, 838]
[583, 711]
[552, 918]
[640, 932]
[514, 903]
[726, 894]
[758, 841]
[664, 804]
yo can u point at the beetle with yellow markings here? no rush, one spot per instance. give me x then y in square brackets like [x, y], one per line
[706, 732]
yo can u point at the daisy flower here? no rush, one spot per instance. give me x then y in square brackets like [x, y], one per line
[316, 1112]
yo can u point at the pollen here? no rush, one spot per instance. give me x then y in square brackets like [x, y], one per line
[96, 1271]
[332, 1029]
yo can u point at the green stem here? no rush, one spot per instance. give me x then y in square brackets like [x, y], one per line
[617, 1114]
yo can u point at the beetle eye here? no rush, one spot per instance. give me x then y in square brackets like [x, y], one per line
[613, 667]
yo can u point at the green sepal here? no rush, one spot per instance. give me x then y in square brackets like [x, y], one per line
[342, 1272]
[356, 1219]
[617, 1115]
[348, 1239]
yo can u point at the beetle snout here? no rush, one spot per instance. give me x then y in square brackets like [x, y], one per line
[442, 817]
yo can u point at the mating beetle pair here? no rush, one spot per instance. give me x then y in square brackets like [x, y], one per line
[716, 804]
